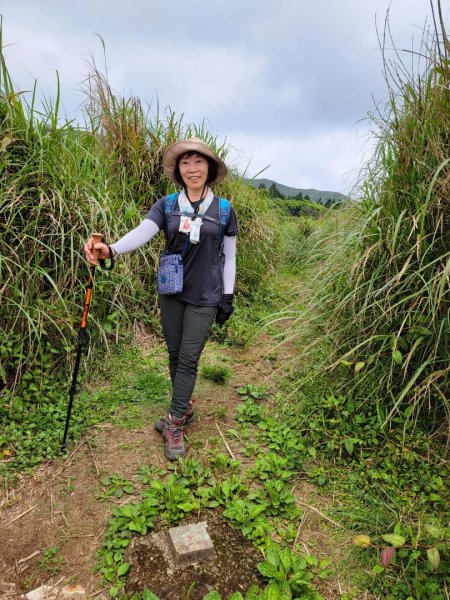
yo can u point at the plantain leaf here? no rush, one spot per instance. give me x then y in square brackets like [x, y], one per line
[269, 571]
[434, 557]
[348, 443]
[397, 357]
[394, 539]
[434, 531]
[123, 568]
[212, 596]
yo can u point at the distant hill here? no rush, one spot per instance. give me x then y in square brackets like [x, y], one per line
[314, 195]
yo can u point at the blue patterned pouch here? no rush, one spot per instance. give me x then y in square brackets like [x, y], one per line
[170, 274]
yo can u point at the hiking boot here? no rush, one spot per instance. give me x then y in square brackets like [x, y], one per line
[173, 434]
[189, 416]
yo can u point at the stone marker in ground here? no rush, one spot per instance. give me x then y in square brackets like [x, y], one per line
[190, 543]
[45, 592]
[73, 592]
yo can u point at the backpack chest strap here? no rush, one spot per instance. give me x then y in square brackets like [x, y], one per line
[184, 213]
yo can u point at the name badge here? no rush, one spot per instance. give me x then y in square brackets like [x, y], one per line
[195, 231]
[185, 224]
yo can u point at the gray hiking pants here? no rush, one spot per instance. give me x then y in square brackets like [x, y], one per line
[186, 328]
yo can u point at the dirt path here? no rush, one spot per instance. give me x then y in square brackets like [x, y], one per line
[53, 522]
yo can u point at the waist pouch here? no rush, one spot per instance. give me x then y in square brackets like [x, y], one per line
[170, 274]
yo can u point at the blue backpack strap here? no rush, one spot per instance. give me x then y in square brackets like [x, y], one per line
[224, 216]
[169, 205]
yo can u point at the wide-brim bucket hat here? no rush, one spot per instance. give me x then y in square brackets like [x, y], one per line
[194, 144]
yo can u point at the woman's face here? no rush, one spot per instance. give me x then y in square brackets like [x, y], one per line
[194, 172]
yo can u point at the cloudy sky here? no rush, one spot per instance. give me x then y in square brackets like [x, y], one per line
[287, 82]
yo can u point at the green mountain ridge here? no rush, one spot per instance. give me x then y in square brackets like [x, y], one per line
[289, 192]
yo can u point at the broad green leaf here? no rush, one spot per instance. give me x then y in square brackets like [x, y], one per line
[408, 411]
[258, 509]
[272, 557]
[433, 531]
[397, 357]
[272, 592]
[113, 591]
[312, 452]
[376, 569]
[187, 506]
[212, 596]
[299, 579]
[226, 488]
[359, 365]
[127, 511]
[348, 443]
[236, 596]
[268, 570]
[253, 593]
[285, 590]
[394, 539]
[123, 568]
[285, 557]
[147, 595]
[156, 484]
[434, 557]
[363, 541]
[138, 526]
[434, 497]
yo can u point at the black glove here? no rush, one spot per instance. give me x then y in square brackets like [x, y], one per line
[225, 309]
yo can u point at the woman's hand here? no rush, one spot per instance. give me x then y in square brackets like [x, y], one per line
[225, 309]
[102, 249]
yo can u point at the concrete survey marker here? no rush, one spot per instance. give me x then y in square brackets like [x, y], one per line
[191, 543]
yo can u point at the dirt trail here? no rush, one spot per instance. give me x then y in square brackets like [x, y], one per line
[53, 522]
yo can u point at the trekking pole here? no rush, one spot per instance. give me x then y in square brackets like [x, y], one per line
[82, 333]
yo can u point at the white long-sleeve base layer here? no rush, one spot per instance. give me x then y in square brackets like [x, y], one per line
[147, 230]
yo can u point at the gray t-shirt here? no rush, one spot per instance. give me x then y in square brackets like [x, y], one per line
[202, 283]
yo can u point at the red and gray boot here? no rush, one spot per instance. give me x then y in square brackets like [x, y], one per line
[173, 434]
[189, 416]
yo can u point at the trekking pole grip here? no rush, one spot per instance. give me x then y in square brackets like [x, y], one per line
[97, 237]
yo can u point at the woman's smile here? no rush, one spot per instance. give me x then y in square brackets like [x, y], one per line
[194, 172]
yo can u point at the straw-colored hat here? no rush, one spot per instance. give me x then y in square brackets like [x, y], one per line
[194, 144]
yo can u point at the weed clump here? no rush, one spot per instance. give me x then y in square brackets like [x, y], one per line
[219, 374]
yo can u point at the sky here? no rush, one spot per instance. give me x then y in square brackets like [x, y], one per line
[287, 83]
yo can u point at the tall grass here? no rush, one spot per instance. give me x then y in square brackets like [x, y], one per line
[388, 316]
[58, 183]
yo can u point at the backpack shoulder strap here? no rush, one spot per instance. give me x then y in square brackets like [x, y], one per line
[224, 215]
[169, 205]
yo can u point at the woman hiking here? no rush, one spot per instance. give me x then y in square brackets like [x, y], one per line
[202, 229]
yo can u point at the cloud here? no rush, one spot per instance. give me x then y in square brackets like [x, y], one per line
[286, 81]
[329, 161]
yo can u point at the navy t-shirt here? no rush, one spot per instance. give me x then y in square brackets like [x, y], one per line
[202, 283]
